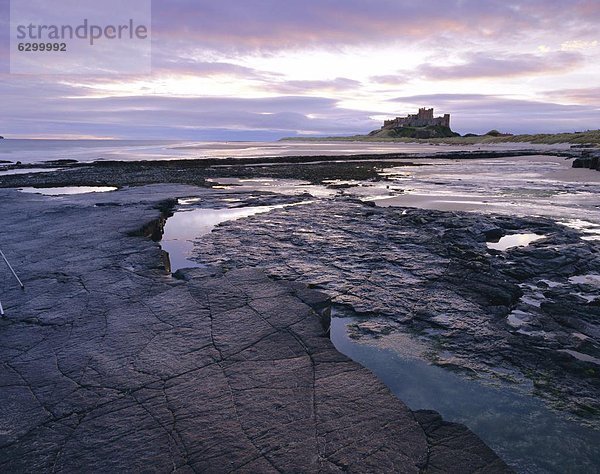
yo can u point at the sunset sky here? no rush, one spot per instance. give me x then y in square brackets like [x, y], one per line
[265, 69]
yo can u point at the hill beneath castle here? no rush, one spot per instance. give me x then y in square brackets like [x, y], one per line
[425, 132]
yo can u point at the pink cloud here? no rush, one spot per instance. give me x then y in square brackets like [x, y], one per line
[489, 65]
[302, 87]
[584, 96]
[272, 24]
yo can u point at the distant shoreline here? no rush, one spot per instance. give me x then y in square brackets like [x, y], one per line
[591, 137]
[315, 169]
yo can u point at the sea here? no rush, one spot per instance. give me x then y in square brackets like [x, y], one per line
[29, 151]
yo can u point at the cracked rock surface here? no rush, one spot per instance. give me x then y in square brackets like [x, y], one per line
[108, 364]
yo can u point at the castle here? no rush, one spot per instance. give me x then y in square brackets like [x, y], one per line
[422, 119]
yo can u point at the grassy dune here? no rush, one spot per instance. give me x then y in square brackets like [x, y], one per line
[588, 137]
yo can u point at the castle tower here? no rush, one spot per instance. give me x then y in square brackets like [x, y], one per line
[425, 114]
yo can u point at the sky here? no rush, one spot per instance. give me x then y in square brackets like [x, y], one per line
[266, 69]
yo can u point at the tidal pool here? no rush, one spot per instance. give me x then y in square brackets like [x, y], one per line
[187, 224]
[520, 186]
[530, 437]
[68, 190]
[27, 171]
[590, 230]
[514, 240]
[591, 280]
[271, 185]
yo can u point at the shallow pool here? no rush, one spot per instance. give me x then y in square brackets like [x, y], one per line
[530, 437]
[68, 190]
[26, 171]
[514, 240]
[188, 223]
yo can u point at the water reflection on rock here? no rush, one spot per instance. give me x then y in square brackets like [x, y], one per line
[529, 437]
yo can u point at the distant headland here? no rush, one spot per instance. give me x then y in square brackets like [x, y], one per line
[424, 127]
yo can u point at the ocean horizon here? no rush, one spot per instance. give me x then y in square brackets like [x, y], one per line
[36, 151]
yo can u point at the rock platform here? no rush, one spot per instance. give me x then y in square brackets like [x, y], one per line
[110, 364]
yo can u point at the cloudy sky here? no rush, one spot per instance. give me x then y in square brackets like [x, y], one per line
[264, 69]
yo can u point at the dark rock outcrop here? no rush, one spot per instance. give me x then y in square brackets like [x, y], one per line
[425, 133]
[108, 364]
[430, 273]
[588, 159]
[324, 168]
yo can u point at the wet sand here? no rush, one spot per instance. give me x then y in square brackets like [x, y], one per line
[527, 185]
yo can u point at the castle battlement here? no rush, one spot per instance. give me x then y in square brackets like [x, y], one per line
[423, 118]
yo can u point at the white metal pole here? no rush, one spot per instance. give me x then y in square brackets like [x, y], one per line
[1, 309]
[12, 270]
